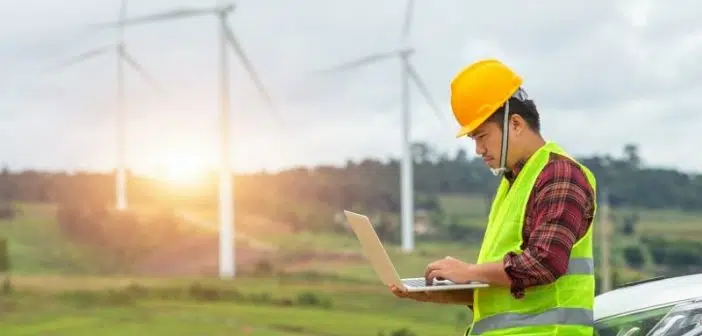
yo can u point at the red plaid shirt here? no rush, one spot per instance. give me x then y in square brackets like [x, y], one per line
[559, 212]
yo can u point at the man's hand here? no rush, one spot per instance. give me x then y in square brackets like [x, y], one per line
[450, 269]
[460, 296]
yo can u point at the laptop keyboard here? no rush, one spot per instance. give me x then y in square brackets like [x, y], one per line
[422, 283]
[414, 282]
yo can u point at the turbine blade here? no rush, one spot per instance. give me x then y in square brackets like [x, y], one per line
[359, 62]
[425, 92]
[83, 57]
[408, 20]
[174, 14]
[141, 70]
[250, 69]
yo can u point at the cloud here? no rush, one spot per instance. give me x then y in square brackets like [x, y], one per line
[603, 73]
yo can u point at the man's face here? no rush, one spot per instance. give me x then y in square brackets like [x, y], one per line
[488, 143]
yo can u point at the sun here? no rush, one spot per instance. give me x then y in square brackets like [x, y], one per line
[182, 174]
[182, 171]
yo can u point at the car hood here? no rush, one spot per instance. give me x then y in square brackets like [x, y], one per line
[647, 295]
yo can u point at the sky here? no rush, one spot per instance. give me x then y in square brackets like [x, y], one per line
[603, 73]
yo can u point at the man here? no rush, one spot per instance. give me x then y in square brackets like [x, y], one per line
[537, 249]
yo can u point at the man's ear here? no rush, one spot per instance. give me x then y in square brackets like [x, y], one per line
[516, 124]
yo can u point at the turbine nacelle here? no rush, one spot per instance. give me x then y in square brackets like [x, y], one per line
[405, 52]
[225, 9]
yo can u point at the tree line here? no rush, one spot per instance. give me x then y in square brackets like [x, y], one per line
[370, 184]
[307, 198]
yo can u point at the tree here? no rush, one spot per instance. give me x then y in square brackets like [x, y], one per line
[631, 155]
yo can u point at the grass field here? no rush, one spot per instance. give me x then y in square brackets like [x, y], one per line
[35, 245]
[473, 211]
[83, 306]
[48, 300]
[58, 289]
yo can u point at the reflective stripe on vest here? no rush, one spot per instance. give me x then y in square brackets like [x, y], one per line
[556, 316]
[562, 316]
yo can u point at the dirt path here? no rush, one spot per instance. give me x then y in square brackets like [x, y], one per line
[240, 235]
[196, 257]
[199, 255]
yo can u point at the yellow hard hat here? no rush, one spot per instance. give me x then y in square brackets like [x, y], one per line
[479, 90]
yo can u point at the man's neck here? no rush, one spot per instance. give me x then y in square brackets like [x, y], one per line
[531, 145]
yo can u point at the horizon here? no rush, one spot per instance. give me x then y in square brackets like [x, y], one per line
[210, 171]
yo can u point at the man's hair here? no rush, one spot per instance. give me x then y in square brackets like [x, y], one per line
[524, 108]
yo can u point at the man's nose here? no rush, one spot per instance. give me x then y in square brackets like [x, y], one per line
[480, 150]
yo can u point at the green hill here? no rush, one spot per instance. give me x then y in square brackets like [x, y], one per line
[37, 247]
[324, 289]
[52, 297]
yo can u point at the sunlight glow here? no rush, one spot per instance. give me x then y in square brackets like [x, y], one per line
[182, 170]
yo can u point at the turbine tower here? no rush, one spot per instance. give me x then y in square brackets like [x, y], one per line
[122, 57]
[408, 73]
[227, 260]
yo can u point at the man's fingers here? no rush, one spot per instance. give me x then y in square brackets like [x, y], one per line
[400, 294]
[397, 291]
[428, 275]
[433, 266]
[418, 296]
[435, 274]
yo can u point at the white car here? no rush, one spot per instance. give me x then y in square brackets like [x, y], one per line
[655, 307]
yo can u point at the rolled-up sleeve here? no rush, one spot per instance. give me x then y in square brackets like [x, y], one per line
[558, 215]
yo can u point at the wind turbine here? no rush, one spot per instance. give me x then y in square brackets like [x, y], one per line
[408, 73]
[122, 57]
[227, 260]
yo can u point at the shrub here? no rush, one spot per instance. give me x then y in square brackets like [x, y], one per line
[4, 256]
[633, 256]
[5, 267]
[313, 299]
[198, 291]
[7, 211]
[403, 332]
[264, 267]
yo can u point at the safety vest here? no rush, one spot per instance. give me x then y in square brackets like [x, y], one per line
[563, 307]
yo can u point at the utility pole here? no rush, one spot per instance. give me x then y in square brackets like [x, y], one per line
[605, 241]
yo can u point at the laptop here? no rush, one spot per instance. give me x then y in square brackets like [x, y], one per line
[377, 255]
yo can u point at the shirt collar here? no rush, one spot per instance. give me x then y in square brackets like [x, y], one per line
[511, 174]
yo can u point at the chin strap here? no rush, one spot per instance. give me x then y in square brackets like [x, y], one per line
[503, 150]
